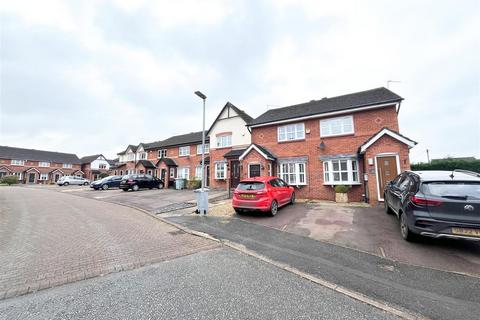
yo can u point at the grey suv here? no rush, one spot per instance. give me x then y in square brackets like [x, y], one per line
[439, 204]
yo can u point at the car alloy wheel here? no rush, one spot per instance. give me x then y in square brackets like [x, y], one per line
[135, 187]
[274, 208]
[404, 229]
[85, 183]
[66, 184]
[105, 187]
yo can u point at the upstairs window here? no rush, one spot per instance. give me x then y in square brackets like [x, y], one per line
[336, 126]
[184, 151]
[199, 148]
[344, 171]
[67, 165]
[44, 164]
[162, 153]
[224, 141]
[142, 156]
[130, 157]
[18, 162]
[102, 166]
[290, 132]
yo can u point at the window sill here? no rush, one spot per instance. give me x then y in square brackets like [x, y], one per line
[346, 183]
[223, 147]
[294, 140]
[338, 135]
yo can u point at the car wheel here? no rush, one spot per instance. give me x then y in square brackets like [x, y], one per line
[292, 199]
[238, 211]
[85, 183]
[404, 229]
[160, 186]
[274, 208]
[386, 206]
[135, 187]
[125, 189]
[105, 187]
[66, 183]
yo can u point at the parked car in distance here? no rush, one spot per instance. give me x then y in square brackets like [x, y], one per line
[67, 180]
[266, 194]
[439, 204]
[106, 183]
[138, 181]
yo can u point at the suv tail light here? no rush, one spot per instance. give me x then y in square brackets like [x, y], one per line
[424, 202]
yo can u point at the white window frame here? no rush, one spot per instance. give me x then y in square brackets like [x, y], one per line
[44, 164]
[183, 151]
[183, 173]
[102, 166]
[172, 173]
[292, 169]
[162, 153]
[329, 173]
[198, 172]
[15, 162]
[67, 165]
[220, 170]
[224, 141]
[19, 175]
[291, 132]
[130, 157]
[142, 156]
[326, 125]
[43, 176]
[199, 148]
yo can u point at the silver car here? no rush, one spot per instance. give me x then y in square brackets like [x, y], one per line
[67, 180]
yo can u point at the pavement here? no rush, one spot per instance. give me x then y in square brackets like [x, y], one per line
[431, 293]
[214, 284]
[49, 238]
[370, 229]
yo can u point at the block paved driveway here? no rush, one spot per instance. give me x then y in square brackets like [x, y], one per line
[49, 238]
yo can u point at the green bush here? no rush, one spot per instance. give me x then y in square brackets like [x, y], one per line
[194, 184]
[103, 175]
[9, 180]
[448, 164]
[341, 188]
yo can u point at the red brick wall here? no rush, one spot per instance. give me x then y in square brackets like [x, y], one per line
[366, 124]
[217, 155]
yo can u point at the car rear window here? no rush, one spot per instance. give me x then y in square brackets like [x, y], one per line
[254, 185]
[453, 189]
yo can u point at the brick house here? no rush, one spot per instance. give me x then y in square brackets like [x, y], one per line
[38, 166]
[179, 156]
[229, 138]
[94, 165]
[351, 139]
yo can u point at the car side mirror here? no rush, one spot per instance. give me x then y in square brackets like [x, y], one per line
[390, 184]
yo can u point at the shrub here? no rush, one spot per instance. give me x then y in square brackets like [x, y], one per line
[341, 188]
[448, 164]
[103, 175]
[9, 180]
[194, 184]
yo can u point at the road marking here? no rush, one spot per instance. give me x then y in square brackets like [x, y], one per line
[382, 252]
[284, 227]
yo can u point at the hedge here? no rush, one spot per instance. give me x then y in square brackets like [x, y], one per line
[9, 180]
[448, 164]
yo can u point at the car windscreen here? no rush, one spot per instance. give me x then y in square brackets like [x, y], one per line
[251, 185]
[127, 176]
[467, 190]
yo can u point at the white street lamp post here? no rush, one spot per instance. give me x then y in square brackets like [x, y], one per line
[203, 197]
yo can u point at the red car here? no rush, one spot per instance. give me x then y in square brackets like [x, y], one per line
[262, 193]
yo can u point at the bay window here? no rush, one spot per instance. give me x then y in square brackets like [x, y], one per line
[220, 170]
[293, 173]
[340, 171]
[290, 132]
[336, 126]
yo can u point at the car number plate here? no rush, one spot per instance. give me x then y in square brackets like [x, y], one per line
[248, 196]
[466, 232]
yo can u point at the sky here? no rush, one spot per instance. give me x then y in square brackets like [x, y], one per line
[91, 77]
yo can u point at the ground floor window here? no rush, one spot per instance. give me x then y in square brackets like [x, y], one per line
[19, 175]
[183, 173]
[172, 173]
[44, 176]
[220, 170]
[198, 172]
[293, 173]
[340, 171]
[254, 170]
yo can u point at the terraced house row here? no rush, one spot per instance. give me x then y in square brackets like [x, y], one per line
[39, 166]
[352, 140]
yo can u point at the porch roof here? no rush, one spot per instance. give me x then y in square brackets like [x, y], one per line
[262, 150]
[386, 131]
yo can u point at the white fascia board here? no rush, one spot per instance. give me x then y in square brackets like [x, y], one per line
[325, 115]
[392, 134]
[244, 154]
